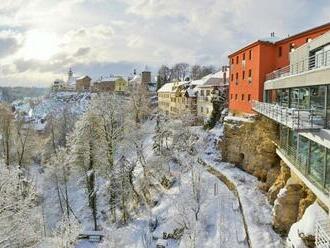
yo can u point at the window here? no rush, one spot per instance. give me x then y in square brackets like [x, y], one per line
[243, 56]
[236, 97]
[207, 110]
[232, 60]
[236, 59]
[250, 73]
[231, 96]
[243, 75]
[201, 109]
[232, 77]
[236, 75]
[249, 97]
[242, 97]
[207, 92]
[280, 51]
[250, 54]
[202, 92]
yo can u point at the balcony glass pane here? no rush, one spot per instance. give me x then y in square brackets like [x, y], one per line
[303, 151]
[317, 162]
[284, 136]
[294, 98]
[328, 107]
[304, 98]
[284, 97]
[318, 103]
[327, 180]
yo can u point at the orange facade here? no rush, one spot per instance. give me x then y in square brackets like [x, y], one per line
[249, 66]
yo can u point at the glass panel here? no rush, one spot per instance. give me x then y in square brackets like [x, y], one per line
[283, 136]
[327, 182]
[285, 97]
[304, 98]
[328, 107]
[317, 161]
[294, 98]
[318, 103]
[303, 151]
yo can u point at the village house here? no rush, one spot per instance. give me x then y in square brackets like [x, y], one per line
[211, 86]
[83, 83]
[110, 84]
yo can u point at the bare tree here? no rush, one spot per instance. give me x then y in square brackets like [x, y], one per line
[180, 71]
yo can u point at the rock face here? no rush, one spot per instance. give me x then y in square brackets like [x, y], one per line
[290, 205]
[250, 146]
[285, 211]
[279, 182]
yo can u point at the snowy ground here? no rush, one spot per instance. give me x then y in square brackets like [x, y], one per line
[256, 209]
[221, 219]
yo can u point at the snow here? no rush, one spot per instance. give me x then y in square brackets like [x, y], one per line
[306, 225]
[256, 209]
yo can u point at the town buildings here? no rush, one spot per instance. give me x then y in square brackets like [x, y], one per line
[192, 97]
[250, 65]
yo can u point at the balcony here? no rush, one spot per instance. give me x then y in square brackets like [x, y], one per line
[313, 62]
[296, 119]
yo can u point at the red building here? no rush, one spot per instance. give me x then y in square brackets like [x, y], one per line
[250, 64]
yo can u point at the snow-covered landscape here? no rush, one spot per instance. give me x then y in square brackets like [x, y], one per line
[188, 204]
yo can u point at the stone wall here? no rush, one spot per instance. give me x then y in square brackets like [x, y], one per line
[250, 146]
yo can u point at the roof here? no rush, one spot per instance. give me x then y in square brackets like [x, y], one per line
[276, 40]
[214, 82]
[83, 77]
[169, 87]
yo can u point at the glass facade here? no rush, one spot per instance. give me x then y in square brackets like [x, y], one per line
[311, 158]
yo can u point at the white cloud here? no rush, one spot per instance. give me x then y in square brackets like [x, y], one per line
[93, 35]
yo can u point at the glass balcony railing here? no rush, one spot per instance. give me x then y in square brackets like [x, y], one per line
[300, 161]
[296, 119]
[313, 62]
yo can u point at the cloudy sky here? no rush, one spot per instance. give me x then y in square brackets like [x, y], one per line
[41, 39]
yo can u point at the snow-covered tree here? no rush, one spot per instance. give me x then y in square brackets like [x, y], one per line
[66, 234]
[20, 222]
[6, 133]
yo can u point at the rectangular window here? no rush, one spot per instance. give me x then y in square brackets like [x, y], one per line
[232, 60]
[236, 75]
[249, 97]
[231, 96]
[237, 59]
[236, 97]
[243, 56]
[202, 92]
[250, 54]
[242, 97]
[243, 75]
[201, 109]
[232, 77]
[280, 51]
[250, 73]
[207, 92]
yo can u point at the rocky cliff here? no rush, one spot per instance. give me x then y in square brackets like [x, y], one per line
[250, 146]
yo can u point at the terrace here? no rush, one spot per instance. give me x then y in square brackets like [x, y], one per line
[296, 119]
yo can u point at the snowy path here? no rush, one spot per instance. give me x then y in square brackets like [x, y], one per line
[257, 211]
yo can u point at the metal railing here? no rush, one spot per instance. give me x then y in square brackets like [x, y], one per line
[322, 233]
[297, 119]
[311, 63]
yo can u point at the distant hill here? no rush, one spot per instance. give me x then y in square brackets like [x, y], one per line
[10, 94]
